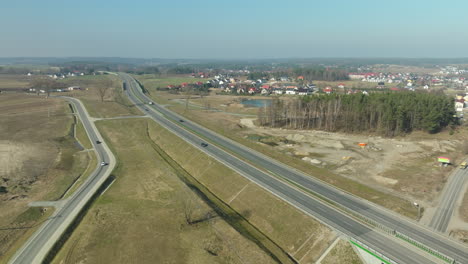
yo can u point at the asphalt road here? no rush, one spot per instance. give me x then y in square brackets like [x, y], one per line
[450, 195]
[389, 246]
[40, 243]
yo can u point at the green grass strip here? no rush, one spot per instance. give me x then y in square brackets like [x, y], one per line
[359, 246]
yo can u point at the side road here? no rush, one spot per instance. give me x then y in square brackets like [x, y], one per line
[41, 242]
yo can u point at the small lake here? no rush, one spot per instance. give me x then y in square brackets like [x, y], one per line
[256, 102]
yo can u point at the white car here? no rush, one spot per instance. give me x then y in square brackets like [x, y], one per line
[103, 163]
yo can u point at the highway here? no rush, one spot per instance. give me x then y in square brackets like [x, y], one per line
[392, 248]
[423, 235]
[40, 243]
[450, 195]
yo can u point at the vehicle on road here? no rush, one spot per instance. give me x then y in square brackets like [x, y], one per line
[150, 102]
[146, 109]
[463, 165]
[103, 163]
[98, 142]
[180, 120]
[203, 144]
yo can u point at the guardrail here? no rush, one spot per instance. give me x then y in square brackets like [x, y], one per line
[402, 236]
[371, 251]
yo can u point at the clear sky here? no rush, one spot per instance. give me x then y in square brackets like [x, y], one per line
[234, 29]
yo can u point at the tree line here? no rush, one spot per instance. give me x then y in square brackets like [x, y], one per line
[322, 74]
[309, 74]
[386, 113]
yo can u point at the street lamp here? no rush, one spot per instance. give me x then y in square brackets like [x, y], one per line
[419, 209]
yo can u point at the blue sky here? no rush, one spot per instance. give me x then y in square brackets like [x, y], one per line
[234, 29]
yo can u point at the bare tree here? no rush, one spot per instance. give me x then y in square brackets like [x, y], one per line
[103, 87]
[188, 91]
[188, 210]
[45, 84]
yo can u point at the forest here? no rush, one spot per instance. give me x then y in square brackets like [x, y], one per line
[384, 113]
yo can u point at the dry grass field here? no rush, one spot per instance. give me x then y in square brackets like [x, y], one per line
[343, 252]
[39, 160]
[115, 102]
[14, 82]
[294, 231]
[141, 218]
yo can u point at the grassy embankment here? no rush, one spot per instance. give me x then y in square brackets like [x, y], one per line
[226, 125]
[149, 206]
[343, 252]
[282, 223]
[39, 161]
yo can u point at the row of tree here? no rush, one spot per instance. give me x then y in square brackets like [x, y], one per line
[385, 113]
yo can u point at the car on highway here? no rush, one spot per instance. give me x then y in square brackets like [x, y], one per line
[98, 142]
[180, 120]
[203, 144]
[103, 163]
[150, 103]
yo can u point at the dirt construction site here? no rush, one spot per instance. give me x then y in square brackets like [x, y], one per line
[406, 165]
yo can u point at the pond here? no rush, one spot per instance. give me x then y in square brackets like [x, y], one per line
[256, 102]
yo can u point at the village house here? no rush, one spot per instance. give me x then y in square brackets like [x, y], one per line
[328, 90]
[303, 91]
[265, 91]
[278, 91]
[290, 91]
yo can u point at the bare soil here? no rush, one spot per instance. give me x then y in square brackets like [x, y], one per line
[406, 166]
[461, 235]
